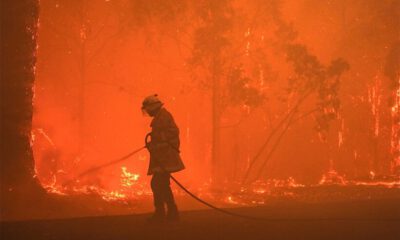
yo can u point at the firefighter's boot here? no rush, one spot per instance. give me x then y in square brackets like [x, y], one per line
[158, 216]
[172, 214]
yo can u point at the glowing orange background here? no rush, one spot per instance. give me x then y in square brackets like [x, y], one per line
[120, 68]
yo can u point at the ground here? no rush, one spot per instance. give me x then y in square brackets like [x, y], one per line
[373, 219]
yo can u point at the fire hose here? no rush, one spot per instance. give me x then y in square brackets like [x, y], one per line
[201, 200]
[94, 169]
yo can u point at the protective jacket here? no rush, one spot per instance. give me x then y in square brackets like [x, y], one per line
[164, 144]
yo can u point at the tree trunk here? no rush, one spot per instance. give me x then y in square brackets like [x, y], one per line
[216, 131]
[18, 46]
[82, 97]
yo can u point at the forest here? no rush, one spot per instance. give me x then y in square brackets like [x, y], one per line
[277, 99]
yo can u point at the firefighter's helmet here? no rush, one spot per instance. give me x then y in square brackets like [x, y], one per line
[151, 104]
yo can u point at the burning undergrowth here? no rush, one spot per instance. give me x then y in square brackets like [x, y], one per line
[133, 190]
[332, 187]
[124, 189]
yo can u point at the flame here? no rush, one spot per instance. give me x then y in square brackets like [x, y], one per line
[129, 188]
[262, 187]
[372, 174]
[127, 178]
[395, 136]
[374, 97]
[332, 178]
[113, 195]
[46, 136]
[231, 201]
[340, 133]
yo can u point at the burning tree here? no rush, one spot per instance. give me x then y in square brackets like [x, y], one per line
[310, 77]
[218, 52]
[392, 71]
[378, 20]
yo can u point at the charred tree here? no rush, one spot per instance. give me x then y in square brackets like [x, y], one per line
[18, 46]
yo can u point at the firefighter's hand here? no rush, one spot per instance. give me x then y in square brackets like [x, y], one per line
[149, 146]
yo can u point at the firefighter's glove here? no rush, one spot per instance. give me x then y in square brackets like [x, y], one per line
[149, 146]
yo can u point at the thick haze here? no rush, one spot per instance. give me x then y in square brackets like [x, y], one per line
[229, 72]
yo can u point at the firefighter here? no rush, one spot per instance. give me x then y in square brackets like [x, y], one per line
[164, 158]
